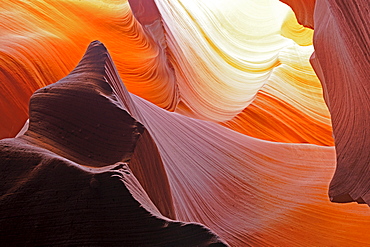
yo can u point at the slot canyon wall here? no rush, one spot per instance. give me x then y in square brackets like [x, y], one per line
[204, 123]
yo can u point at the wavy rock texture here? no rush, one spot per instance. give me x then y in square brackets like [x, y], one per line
[188, 57]
[231, 71]
[37, 39]
[253, 68]
[244, 188]
[342, 62]
[213, 175]
[53, 191]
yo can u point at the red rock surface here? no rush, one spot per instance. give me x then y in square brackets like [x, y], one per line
[146, 12]
[303, 10]
[192, 170]
[270, 190]
[162, 57]
[43, 41]
[63, 182]
[244, 188]
[342, 62]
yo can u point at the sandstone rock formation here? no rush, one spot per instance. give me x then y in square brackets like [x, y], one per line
[342, 61]
[235, 132]
[304, 10]
[244, 67]
[63, 182]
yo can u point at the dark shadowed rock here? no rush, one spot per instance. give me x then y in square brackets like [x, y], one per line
[63, 182]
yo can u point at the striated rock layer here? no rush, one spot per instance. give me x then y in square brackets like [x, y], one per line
[42, 41]
[242, 64]
[342, 62]
[63, 182]
[248, 191]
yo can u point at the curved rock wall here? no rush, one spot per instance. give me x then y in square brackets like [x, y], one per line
[236, 134]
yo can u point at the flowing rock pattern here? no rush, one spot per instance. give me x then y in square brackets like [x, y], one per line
[342, 62]
[208, 61]
[247, 151]
[41, 43]
[59, 186]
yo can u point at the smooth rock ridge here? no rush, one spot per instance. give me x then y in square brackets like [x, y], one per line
[63, 182]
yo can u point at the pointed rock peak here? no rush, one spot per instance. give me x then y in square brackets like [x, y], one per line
[80, 116]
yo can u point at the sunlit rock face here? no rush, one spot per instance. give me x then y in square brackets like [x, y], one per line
[238, 64]
[43, 41]
[342, 62]
[237, 134]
